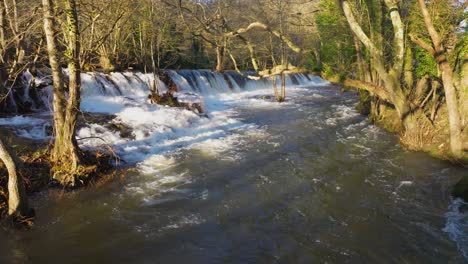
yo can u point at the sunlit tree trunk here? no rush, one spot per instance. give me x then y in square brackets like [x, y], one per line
[280, 97]
[392, 77]
[220, 54]
[65, 151]
[464, 92]
[447, 73]
[283, 87]
[17, 199]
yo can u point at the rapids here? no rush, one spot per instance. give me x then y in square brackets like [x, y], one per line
[306, 181]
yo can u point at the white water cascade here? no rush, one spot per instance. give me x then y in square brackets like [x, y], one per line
[202, 82]
[151, 129]
[35, 93]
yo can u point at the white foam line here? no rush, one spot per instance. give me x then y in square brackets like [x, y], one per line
[457, 225]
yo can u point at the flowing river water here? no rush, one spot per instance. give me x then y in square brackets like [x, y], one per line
[306, 181]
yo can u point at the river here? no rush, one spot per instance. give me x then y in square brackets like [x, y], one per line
[306, 181]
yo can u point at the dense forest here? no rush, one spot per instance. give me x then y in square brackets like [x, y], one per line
[408, 59]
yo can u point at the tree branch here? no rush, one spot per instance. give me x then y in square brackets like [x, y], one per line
[422, 44]
[430, 26]
[262, 26]
[370, 87]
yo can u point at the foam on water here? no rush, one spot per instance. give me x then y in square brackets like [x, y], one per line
[159, 130]
[154, 134]
[341, 112]
[29, 127]
[457, 225]
[158, 133]
[156, 164]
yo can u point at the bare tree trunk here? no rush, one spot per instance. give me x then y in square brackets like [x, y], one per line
[17, 199]
[435, 99]
[2, 33]
[283, 87]
[74, 85]
[65, 151]
[390, 78]
[253, 58]
[464, 92]
[408, 69]
[52, 49]
[280, 97]
[275, 88]
[219, 58]
[456, 143]
[155, 71]
[438, 51]
[362, 73]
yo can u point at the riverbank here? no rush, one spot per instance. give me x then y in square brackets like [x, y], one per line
[430, 137]
[35, 168]
[428, 134]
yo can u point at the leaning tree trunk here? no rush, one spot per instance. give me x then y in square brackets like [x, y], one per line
[65, 151]
[17, 199]
[447, 73]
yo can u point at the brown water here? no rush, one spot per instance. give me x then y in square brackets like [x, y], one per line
[318, 185]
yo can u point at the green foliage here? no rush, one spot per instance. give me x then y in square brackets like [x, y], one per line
[425, 63]
[327, 70]
[312, 65]
[337, 50]
[446, 16]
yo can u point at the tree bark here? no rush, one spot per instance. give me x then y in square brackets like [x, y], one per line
[362, 72]
[379, 91]
[262, 26]
[74, 86]
[390, 78]
[447, 72]
[220, 58]
[275, 88]
[251, 49]
[52, 50]
[65, 151]
[464, 92]
[283, 87]
[17, 199]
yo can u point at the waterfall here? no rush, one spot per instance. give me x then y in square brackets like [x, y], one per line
[139, 130]
[35, 92]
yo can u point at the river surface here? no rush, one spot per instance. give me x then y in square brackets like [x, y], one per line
[307, 181]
